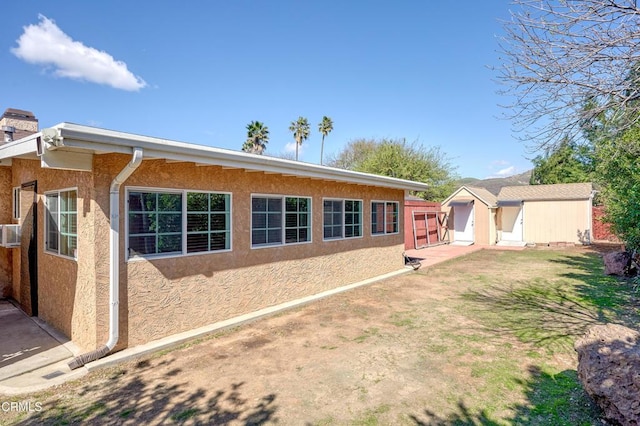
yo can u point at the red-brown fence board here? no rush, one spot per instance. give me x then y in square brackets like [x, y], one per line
[410, 206]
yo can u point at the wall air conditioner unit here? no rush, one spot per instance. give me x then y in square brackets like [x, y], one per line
[10, 235]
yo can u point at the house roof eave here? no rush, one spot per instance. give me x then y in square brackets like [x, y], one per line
[96, 140]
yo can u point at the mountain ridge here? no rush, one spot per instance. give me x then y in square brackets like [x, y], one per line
[494, 185]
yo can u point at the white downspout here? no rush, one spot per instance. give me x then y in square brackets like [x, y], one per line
[114, 246]
[114, 263]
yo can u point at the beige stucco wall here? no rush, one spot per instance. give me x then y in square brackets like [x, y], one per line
[170, 295]
[6, 214]
[66, 287]
[164, 296]
[556, 221]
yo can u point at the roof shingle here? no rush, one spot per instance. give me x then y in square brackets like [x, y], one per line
[560, 191]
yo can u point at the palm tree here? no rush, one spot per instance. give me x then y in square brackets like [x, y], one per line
[300, 129]
[257, 138]
[325, 127]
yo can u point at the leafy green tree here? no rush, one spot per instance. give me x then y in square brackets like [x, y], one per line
[257, 138]
[616, 157]
[300, 130]
[399, 159]
[618, 172]
[325, 127]
[353, 154]
[567, 163]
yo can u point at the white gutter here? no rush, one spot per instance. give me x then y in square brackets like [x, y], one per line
[102, 140]
[114, 263]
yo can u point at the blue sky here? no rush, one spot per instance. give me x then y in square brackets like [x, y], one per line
[200, 71]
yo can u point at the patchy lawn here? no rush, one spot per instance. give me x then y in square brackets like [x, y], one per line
[481, 340]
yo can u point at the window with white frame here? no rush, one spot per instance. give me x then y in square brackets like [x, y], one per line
[208, 222]
[61, 224]
[177, 222]
[342, 219]
[297, 222]
[384, 217]
[16, 202]
[277, 220]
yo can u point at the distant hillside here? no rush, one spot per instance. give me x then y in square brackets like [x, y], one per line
[494, 185]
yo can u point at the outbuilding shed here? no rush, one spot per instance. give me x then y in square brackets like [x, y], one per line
[519, 215]
[472, 216]
[545, 214]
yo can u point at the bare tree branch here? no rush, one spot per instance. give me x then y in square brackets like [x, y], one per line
[557, 55]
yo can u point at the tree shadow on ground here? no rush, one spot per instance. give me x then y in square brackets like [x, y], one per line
[550, 400]
[552, 313]
[615, 298]
[126, 397]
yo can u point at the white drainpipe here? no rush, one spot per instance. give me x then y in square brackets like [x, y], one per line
[114, 263]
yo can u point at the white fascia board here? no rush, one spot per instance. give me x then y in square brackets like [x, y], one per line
[101, 140]
[24, 146]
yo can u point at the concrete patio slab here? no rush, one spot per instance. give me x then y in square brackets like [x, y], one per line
[24, 345]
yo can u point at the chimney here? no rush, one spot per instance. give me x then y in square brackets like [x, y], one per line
[17, 124]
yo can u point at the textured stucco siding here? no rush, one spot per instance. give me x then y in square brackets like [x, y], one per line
[163, 296]
[161, 305]
[66, 287]
[556, 221]
[6, 216]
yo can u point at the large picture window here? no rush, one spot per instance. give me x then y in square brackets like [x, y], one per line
[277, 220]
[342, 219]
[174, 223]
[384, 217]
[61, 224]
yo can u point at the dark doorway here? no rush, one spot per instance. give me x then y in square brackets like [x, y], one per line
[29, 248]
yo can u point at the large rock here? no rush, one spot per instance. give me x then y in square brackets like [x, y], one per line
[616, 263]
[609, 369]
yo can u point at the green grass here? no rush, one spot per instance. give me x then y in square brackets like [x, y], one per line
[184, 415]
[371, 417]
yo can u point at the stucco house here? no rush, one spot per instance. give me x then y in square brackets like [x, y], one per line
[128, 238]
[529, 214]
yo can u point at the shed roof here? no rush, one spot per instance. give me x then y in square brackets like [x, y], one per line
[560, 191]
[480, 193]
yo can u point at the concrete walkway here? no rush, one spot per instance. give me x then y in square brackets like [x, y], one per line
[28, 345]
[433, 255]
[34, 357]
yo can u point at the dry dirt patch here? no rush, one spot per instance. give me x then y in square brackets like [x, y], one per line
[409, 350]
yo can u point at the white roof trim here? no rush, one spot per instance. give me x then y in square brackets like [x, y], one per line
[470, 190]
[99, 141]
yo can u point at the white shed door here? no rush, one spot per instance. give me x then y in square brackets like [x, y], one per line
[512, 223]
[463, 222]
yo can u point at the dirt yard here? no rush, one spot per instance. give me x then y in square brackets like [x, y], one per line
[428, 347]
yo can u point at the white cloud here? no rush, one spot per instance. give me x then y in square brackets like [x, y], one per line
[46, 44]
[291, 147]
[508, 171]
